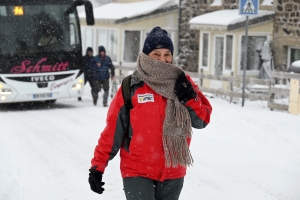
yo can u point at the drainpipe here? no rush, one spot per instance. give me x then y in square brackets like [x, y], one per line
[179, 17]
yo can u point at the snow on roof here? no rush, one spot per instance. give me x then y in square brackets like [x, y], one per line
[225, 17]
[115, 11]
[95, 3]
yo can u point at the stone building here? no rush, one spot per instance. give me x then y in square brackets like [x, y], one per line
[286, 44]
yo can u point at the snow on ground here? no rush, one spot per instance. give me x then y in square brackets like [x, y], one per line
[248, 153]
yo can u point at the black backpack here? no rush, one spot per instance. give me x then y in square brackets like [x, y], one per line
[126, 92]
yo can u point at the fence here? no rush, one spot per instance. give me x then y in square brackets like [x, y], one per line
[234, 80]
[268, 92]
[274, 90]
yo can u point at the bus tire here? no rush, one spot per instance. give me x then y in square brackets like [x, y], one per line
[50, 101]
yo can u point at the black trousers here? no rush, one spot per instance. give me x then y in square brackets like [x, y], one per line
[140, 188]
[96, 88]
[87, 77]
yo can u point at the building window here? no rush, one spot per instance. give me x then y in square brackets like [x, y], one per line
[88, 38]
[228, 55]
[109, 39]
[223, 54]
[205, 49]
[132, 43]
[255, 44]
[294, 55]
[219, 55]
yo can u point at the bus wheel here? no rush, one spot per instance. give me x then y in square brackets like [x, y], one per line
[50, 101]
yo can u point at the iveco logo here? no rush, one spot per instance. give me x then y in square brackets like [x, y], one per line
[42, 78]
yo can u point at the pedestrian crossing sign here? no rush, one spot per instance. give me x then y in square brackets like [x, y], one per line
[249, 7]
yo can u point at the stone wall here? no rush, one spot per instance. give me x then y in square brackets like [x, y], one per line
[189, 39]
[286, 30]
[230, 4]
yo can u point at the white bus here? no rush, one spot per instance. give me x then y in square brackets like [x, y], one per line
[40, 50]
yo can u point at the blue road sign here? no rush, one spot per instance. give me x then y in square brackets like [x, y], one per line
[249, 7]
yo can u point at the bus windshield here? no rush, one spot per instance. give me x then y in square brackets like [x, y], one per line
[31, 29]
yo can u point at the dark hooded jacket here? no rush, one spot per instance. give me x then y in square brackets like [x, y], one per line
[102, 73]
[88, 63]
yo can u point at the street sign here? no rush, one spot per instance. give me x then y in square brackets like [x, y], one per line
[249, 7]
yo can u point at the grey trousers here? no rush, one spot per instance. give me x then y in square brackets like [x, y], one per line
[140, 188]
[96, 88]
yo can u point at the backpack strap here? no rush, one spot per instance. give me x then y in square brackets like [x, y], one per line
[126, 92]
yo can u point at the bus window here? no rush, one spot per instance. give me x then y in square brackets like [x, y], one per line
[41, 28]
[74, 37]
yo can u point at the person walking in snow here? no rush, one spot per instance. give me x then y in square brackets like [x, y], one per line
[101, 75]
[154, 132]
[87, 63]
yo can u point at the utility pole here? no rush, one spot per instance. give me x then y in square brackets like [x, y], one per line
[247, 7]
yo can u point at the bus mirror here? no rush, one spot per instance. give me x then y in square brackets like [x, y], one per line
[89, 13]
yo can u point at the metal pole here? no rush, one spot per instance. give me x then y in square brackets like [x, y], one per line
[179, 24]
[245, 60]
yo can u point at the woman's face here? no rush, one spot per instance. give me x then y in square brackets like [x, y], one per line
[163, 55]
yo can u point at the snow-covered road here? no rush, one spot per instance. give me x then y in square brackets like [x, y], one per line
[245, 153]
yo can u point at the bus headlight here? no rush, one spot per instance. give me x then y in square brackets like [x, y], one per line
[5, 91]
[1, 86]
[77, 86]
[3, 98]
[80, 81]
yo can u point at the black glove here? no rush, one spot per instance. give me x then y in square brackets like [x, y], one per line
[95, 180]
[184, 89]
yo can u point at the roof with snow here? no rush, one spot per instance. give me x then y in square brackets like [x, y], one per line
[122, 12]
[95, 3]
[229, 19]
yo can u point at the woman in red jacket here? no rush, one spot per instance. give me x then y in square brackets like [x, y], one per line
[154, 135]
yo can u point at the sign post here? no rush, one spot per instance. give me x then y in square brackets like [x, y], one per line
[247, 7]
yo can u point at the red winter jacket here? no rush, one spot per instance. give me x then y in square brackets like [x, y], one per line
[143, 155]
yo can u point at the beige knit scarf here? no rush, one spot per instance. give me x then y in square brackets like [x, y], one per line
[177, 127]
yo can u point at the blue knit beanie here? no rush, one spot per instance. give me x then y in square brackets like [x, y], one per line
[157, 39]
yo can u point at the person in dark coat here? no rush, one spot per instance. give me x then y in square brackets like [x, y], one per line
[101, 75]
[87, 65]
